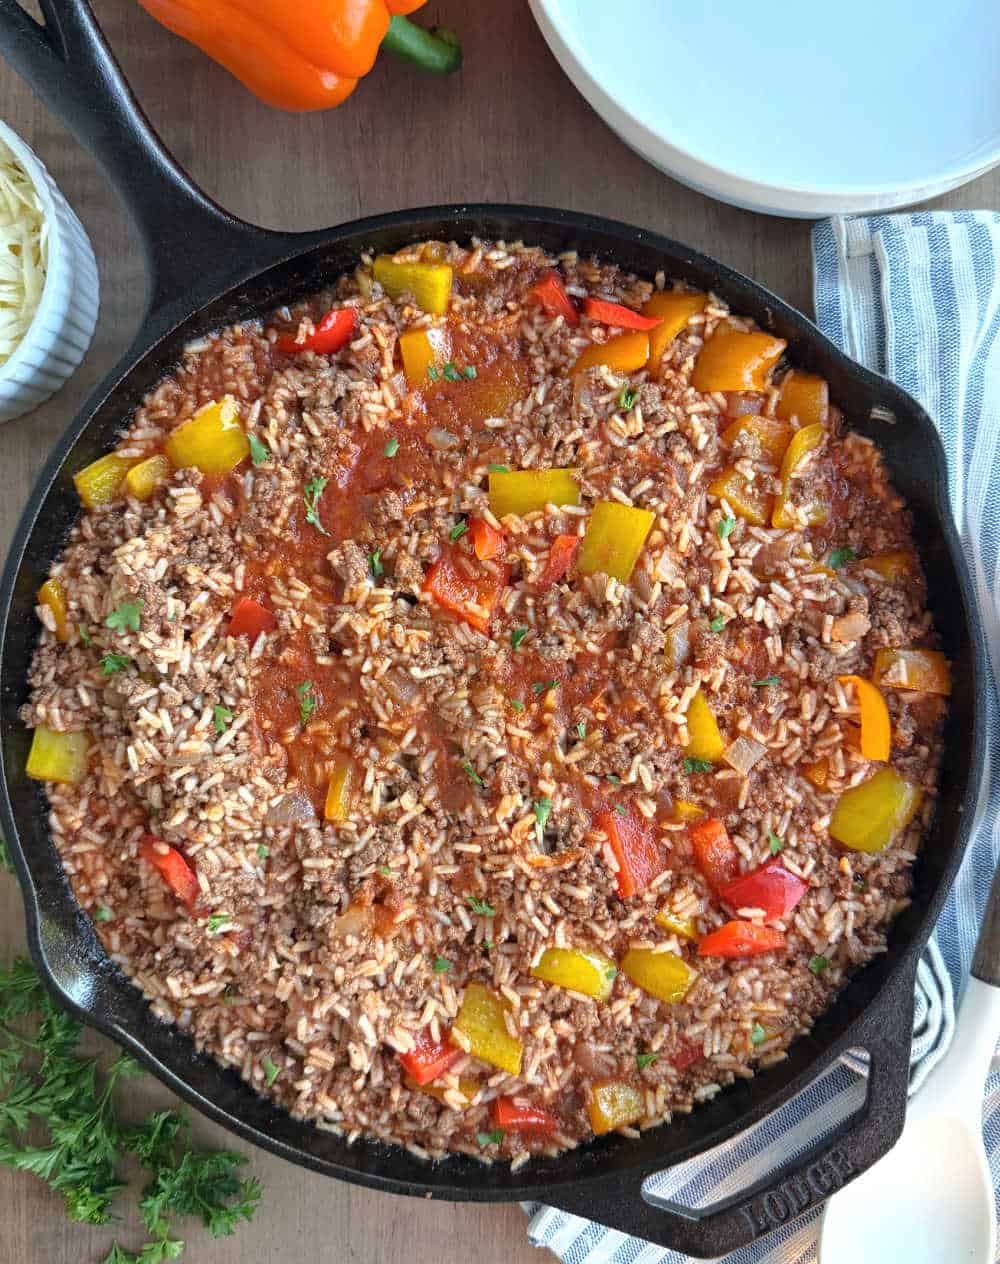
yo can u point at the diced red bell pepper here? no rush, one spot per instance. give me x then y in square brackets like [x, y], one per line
[250, 618]
[771, 888]
[714, 854]
[487, 541]
[551, 294]
[562, 555]
[453, 588]
[172, 868]
[638, 852]
[606, 313]
[741, 939]
[334, 331]
[429, 1058]
[513, 1118]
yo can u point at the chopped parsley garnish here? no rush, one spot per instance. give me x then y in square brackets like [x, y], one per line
[718, 623]
[112, 663]
[441, 965]
[481, 908]
[517, 636]
[758, 1035]
[627, 397]
[102, 914]
[498, 469]
[470, 372]
[488, 945]
[543, 686]
[818, 964]
[451, 373]
[768, 680]
[697, 765]
[644, 1060]
[222, 717]
[517, 704]
[125, 616]
[263, 852]
[542, 808]
[471, 773]
[375, 562]
[307, 701]
[271, 1072]
[458, 530]
[840, 557]
[775, 843]
[385, 871]
[620, 810]
[311, 493]
[614, 779]
[611, 973]
[260, 453]
[581, 730]
[85, 640]
[490, 1138]
[725, 528]
[432, 372]
[217, 921]
[391, 448]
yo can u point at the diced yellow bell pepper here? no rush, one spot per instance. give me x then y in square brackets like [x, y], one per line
[613, 1104]
[53, 595]
[925, 671]
[818, 772]
[677, 649]
[481, 1020]
[805, 397]
[876, 730]
[591, 973]
[745, 498]
[894, 567]
[662, 974]
[734, 361]
[212, 441]
[467, 1087]
[614, 539]
[101, 481]
[816, 511]
[704, 739]
[773, 435]
[684, 927]
[429, 283]
[143, 479]
[625, 354]
[338, 795]
[526, 491]
[685, 811]
[57, 756]
[675, 308]
[867, 817]
[420, 349]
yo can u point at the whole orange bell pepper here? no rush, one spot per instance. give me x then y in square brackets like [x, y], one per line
[309, 56]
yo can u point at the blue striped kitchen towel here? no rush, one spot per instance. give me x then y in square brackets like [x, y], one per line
[917, 298]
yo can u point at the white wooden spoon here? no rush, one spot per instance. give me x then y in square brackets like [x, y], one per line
[930, 1200]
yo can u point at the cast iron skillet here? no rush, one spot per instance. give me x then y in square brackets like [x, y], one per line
[208, 269]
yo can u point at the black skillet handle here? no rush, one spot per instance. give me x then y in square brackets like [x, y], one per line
[187, 237]
[803, 1182]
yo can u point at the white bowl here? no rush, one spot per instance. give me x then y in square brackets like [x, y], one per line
[789, 108]
[62, 327]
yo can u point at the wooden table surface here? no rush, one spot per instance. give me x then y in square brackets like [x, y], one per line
[510, 128]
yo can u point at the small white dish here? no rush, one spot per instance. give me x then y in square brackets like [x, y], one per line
[63, 325]
[792, 109]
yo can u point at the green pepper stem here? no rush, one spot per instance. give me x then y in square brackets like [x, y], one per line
[436, 51]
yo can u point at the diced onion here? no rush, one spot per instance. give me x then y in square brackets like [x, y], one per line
[442, 439]
[743, 754]
[23, 253]
[290, 809]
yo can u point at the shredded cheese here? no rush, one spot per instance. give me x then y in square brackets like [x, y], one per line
[23, 252]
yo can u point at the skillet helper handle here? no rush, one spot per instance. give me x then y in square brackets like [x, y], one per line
[803, 1182]
[187, 237]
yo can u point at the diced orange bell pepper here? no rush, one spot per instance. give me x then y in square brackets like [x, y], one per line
[577, 970]
[674, 309]
[876, 730]
[429, 1058]
[614, 539]
[636, 847]
[741, 939]
[894, 567]
[736, 361]
[472, 598]
[550, 293]
[423, 349]
[487, 541]
[704, 739]
[101, 482]
[617, 315]
[662, 974]
[53, 595]
[143, 479]
[816, 511]
[55, 756]
[614, 1104]
[682, 927]
[481, 1021]
[338, 794]
[523, 492]
[212, 441]
[772, 435]
[925, 671]
[562, 555]
[172, 868]
[869, 816]
[746, 498]
[627, 353]
[512, 1117]
[714, 853]
[429, 283]
[805, 397]
[250, 619]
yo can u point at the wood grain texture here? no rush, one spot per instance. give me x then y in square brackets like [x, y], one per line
[510, 128]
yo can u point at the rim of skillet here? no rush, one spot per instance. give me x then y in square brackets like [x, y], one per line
[65, 948]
